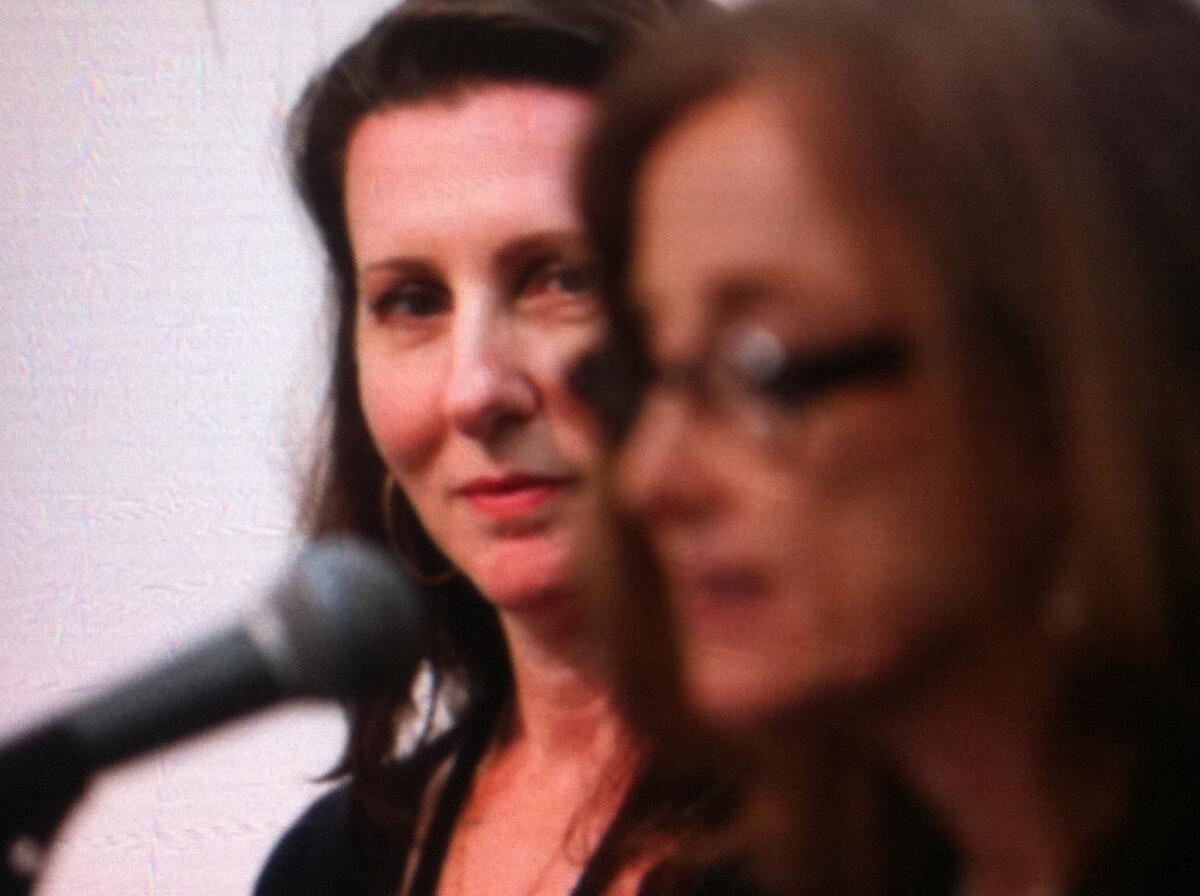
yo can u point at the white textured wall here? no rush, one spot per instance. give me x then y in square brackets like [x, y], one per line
[160, 338]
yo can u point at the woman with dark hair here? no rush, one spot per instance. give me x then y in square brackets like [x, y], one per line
[905, 360]
[435, 157]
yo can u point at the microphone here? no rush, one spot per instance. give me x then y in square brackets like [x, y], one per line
[342, 623]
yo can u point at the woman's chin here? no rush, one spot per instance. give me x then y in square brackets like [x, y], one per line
[517, 580]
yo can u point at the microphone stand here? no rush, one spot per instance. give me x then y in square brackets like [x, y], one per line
[44, 771]
[343, 622]
[41, 776]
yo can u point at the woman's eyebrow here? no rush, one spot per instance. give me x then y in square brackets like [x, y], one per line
[517, 252]
[370, 276]
[395, 263]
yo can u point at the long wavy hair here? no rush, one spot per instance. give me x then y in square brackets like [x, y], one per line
[1046, 157]
[423, 50]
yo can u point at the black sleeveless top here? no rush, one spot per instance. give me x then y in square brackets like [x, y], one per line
[337, 848]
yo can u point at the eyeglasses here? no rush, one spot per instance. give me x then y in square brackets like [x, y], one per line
[747, 374]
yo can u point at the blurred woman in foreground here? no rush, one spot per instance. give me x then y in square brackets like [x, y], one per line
[904, 296]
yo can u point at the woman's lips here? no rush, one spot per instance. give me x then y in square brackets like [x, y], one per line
[717, 598]
[507, 497]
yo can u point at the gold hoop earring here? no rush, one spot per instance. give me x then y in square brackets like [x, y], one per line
[408, 540]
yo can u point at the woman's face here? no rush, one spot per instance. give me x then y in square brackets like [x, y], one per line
[474, 296]
[802, 472]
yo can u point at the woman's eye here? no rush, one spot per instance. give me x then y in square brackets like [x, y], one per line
[559, 280]
[573, 279]
[411, 299]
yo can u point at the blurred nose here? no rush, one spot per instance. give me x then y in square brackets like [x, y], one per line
[489, 388]
[660, 473]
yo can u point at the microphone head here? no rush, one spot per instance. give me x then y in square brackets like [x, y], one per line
[344, 622]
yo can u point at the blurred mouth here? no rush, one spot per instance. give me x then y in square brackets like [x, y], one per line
[714, 599]
[513, 495]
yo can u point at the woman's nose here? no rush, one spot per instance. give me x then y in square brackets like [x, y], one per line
[489, 386]
[659, 471]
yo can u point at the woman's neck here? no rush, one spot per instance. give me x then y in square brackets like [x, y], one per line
[561, 709]
[553, 777]
[976, 745]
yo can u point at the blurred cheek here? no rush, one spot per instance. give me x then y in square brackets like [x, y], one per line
[895, 502]
[884, 455]
[876, 429]
[881, 494]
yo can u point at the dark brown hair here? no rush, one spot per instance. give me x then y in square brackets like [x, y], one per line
[422, 50]
[1046, 157]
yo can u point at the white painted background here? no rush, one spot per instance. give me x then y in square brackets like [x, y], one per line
[161, 357]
